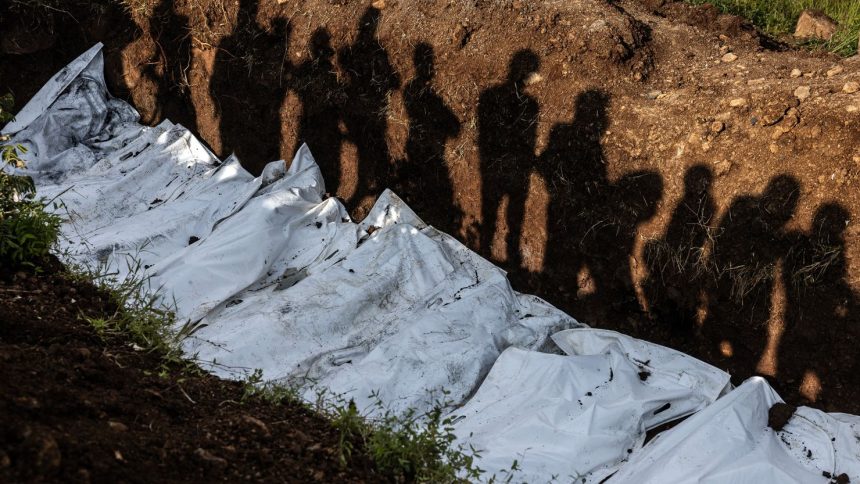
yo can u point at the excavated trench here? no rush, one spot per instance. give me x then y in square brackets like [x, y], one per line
[601, 152]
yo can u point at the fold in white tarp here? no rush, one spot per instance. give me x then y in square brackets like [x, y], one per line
[730, 441]
[280, 279]
[579, 417]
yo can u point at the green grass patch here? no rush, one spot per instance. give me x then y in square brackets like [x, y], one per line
[28, 231]
[778, 18]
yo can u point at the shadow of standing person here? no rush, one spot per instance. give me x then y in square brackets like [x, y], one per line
[677, 266]
[424, 174]
[323, 98]
[592, 222]
[247, 91]
[751, 240]
[507, 132]
[371, 78]
[572, 165]
[821, 321]
[170, 66]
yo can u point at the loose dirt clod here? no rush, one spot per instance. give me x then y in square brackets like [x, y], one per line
[779, 415]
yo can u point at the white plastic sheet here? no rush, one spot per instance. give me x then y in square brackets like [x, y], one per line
[577, 418]
[730, 441]
[280, 279]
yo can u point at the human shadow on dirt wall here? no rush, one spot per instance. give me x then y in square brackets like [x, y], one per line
[248, 85]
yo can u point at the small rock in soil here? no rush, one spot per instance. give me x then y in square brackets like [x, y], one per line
[851, 87]
[730, 57]
[533, 78]
[835, 71]
[815, 24]
[257, 423]
[117, 426]
[779, 415]
[208, 458]
[722, 167]
[738, 102]
[795, 73]
[802, 92]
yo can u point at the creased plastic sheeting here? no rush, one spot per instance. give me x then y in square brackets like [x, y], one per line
[84, 121]
[730, 441]
[402, 312]
[281, 279]
[577, 418]
[282, 222]
[142, 239]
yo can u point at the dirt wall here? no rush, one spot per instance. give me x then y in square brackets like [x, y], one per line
[649, 167]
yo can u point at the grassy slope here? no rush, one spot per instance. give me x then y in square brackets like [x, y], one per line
[778, 18]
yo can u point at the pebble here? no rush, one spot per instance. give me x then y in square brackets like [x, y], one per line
[730, 57]
[722, 167]
[533, 78]
[257, 423]
[717, 127]
[207, 457]
[851, 87]
[738, 102]
[802, 92]
[653, 94]
[795, 73]
[117, 426]
[834, 71]
[852, 108]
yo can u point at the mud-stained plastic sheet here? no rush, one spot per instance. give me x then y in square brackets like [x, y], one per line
[730, 441]
[274, 276]
[581, 416]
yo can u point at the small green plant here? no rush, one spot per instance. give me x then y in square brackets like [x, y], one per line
[27, 230]
[407, 446]
[140, 314]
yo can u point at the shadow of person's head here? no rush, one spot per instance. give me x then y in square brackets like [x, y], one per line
[523, 64]
[829, 223]
[779, 200]
[640, 192]
[423, 59]
[369, 23]
[590, 112]
[320, 45]
[281, 27]
[698, 180]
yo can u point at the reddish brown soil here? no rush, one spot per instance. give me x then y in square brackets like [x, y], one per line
[79, 408]
[603, 152]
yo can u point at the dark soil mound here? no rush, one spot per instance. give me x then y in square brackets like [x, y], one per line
[79, 408]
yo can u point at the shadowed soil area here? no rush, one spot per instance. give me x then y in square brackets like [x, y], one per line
[78, 407]
[647, 166]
